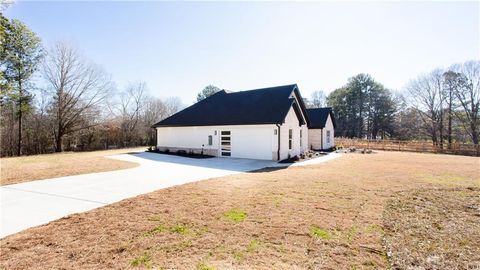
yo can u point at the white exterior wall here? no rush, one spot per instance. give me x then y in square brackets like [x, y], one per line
[247, 141]
[316, 137]
[328, 126]
[291, 122]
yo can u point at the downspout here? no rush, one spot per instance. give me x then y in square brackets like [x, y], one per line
[321, 139]
[278, 133]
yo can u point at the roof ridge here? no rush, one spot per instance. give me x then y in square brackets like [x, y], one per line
[260, 89]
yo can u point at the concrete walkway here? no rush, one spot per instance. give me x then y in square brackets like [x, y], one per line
[34, 203]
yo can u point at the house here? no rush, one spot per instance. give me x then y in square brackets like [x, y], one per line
[321, 130]
[268, 123]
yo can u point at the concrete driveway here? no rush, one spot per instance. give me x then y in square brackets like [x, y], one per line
[34, 203]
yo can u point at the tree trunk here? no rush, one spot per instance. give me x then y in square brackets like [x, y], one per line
[450, 119]
[59, 139]
[440, 129]
[19, 142]
[474, 134]
[58, 143]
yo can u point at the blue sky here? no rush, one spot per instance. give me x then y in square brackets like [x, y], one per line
[177, 48]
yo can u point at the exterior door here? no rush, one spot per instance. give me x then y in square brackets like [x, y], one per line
[225, 143]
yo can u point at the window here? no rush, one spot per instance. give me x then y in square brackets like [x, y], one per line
[328, 136]
[210, 140]
[290, 139]
[300, 138]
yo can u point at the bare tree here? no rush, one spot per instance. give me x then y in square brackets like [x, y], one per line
[77, 87]
[172, 105]
[426, 97]
[4, 4]
[131, 104]
[319, 99]
[468, 95]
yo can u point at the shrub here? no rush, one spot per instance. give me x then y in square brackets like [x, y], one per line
[167, 151]
[181, 152]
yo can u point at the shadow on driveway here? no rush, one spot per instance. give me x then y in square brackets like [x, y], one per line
[221, 163]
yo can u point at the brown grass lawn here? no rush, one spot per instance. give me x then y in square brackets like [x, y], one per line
[23, 169]
[326, 216]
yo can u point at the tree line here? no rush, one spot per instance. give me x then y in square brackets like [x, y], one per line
[441, 106]
[56, 99]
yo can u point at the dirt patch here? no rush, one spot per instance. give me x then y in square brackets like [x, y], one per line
[28, 168]
[325, 216]
[434, 229]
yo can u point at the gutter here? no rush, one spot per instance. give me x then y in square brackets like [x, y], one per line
[278, 151]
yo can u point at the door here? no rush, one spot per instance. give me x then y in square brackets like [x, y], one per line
[225, 143]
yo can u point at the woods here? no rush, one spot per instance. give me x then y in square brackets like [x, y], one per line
[55, 99]
[441, 106]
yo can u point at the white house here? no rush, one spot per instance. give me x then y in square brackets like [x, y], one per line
[269, 123]
[321, 129]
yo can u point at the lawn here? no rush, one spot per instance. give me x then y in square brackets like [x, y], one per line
[27, 168]
[336, 215]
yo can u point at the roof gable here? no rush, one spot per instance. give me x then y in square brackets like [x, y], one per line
[252, 107]
[318, 117]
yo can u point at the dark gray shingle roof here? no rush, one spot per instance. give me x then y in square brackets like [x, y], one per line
[318, 117]
[252, 107]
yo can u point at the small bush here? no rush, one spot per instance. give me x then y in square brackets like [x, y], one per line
[181, 152]
[352, 149]
[167, 151]
[235, 215]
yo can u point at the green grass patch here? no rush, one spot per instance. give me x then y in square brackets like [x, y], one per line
[374, 228]
[154, 218]
[180, 229]
[143, 260]
[235, 215]
[203, 266]
[352, 232]
[238, 256]
[253, 246]
[320, 233]
[158, 229]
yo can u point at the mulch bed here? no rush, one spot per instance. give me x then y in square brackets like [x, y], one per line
[434, 229]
